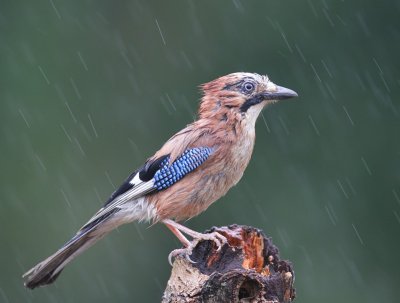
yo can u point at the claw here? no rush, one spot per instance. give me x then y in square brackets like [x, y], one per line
[182, 251]
[217, 238]
[176, 252]
[190, 260]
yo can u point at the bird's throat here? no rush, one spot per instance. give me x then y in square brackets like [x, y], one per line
[252, 114]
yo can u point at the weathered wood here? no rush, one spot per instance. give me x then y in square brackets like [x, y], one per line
[246, 270]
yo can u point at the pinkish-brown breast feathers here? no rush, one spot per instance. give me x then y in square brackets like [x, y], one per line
[212, 179]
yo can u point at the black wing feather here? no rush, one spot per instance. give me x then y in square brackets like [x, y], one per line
[146, 173]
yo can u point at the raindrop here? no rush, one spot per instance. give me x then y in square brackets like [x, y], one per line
[315, 71]
[397, 216]
[138, 230]
[366, 166]
[312, 8]
[328, 17]
[355, 273]
[385, 83]
[43, 74]
[109, 180]
[160, 287]
[396, 196]
[165, 104]
[127, 60]
[3, 295]
[70, 111]
[360, 81]
[313, 124]
[55, 9]
[75, 89]
[348, 115]
[284, 37]
[260, 211]
[161, 34]
[284, 125]
[65, 197]
[326, 68]
[94, 129]
[79, 147]
[65, 132]
[186, 59]
[342, 188]
[377, 65]
[238, 5]
[265, 122]
[170, 102]
[351, 186]
[97, 195]
[341, 20]
[135, 148]
[82, 61]
[272, 23]
[306, 255]
[300, 53]
[357, 234]
[330, 91]
[40, 162]
[363, 24]
[284, 237]
[60, 93]
[330, 215]
[332, 212]
[23, 117]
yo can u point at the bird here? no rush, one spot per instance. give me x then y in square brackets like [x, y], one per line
[193, 169]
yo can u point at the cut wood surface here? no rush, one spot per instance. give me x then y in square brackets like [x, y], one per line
[247, 269]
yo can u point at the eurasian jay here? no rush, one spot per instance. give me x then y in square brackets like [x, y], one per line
[193, 169]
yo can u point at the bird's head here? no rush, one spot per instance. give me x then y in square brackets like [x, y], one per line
[240, 94]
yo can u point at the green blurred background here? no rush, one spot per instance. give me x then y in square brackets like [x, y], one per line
[90, 89]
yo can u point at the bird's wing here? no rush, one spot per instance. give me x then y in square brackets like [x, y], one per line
[185, 146]
[155, 175]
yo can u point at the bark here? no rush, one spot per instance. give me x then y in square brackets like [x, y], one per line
[246, 270]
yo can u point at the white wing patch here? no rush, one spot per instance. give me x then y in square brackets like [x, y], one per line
[135, 180]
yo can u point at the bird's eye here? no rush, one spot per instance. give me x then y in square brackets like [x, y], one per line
[248, 87]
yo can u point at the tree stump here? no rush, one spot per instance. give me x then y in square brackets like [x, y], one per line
[247, 269]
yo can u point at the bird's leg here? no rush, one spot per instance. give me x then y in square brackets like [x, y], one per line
[178, 229]
[197, 237]
[178, 234]
[181, 238]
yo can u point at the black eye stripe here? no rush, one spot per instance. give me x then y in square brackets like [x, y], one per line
[233, 85]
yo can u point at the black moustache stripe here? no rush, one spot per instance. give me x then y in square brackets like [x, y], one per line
[250, 102]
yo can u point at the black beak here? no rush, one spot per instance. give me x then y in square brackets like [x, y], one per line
[280, 94]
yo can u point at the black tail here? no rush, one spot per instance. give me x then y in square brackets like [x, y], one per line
[47, 271]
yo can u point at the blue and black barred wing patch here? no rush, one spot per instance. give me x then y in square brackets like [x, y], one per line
[168, 175]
